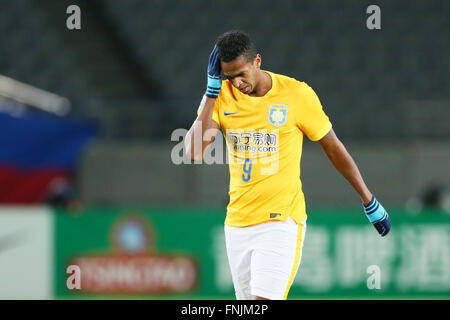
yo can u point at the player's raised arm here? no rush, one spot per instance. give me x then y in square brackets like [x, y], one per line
[344, 163]
[204, 129]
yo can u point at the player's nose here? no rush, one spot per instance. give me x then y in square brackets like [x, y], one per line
[237, 83]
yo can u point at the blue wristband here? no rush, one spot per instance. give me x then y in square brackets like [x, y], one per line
[374, 211]
[213, 87]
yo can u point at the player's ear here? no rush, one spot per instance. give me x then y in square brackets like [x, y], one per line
[257, 61]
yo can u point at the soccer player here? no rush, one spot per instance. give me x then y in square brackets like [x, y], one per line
[264, 116]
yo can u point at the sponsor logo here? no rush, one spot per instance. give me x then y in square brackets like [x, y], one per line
[134, 266]
[254, 142]
[228, 113]
[274, 215]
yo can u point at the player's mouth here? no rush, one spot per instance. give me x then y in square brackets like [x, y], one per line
[244, 89]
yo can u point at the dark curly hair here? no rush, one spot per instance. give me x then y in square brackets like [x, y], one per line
[233, 44]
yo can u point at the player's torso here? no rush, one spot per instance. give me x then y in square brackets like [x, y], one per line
[264, 148]
[260, 127]
[260, 131]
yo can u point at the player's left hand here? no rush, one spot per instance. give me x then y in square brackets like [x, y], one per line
[378, 216]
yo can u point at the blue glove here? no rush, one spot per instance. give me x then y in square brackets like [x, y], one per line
[214, 81]
[378, 216]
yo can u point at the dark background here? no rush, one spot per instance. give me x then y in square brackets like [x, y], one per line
[138, 67]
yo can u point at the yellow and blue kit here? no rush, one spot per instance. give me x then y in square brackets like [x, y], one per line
[264, 137]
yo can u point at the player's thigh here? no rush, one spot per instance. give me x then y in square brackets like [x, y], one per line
[239, 255]
[275, 258]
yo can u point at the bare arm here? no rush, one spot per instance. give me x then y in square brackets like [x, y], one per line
[202, 132]
[343, 162]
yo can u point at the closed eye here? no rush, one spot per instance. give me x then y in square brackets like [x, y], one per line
[238, 75]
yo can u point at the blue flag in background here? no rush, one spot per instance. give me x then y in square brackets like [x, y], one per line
[36, 150]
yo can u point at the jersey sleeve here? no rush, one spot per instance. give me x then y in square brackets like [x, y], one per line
[311, 119]
[215, 114]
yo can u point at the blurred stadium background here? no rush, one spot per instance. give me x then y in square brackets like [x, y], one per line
[86, 118]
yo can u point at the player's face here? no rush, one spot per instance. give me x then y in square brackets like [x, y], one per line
[243, 74]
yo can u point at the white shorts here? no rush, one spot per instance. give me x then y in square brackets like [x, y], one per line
[264, 258]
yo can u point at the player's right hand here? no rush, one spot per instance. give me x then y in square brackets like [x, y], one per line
[214, 81]
[378, 216]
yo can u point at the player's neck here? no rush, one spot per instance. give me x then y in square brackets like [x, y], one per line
[264, 85]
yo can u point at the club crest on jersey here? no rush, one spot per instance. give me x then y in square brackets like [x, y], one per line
[277, 114]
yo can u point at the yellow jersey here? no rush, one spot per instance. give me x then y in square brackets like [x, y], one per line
[264, 137]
